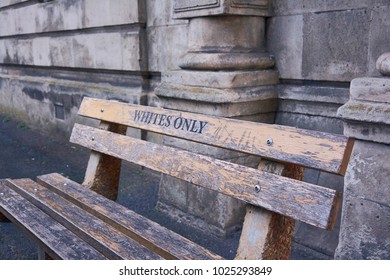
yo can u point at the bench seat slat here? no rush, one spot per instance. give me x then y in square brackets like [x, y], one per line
[302, 201]
[328, 152]
[57, 241]
[165, 242]
[109, 241]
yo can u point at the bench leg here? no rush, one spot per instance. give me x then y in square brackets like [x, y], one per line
[42, 255]
[102, 174]
[267, 235]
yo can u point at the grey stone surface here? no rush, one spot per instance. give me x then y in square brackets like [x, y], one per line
[226, 34]
[365, 230]
[379, 36]
[334, 49]
[383, 64]
[226, 61]
[34, 99]
[288, 7]
[68, 15]
[285, 42]
[6, 3]
[201, 8]
[370, 89]
[166, 44]
[368, 173]
[77, 51]
[221, 79]
[333, 125]
[317, 41]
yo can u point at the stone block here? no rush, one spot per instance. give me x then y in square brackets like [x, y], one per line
[201, 8]
[226, 34]
[365, 230]
[290, 7]
[339, 51]
[166, 45]
[314, 93]
[326, 124]
[160, 13]
[114, 51]
[379, 36]
[368, 173]
[370, 89]
[221, 79]
[285, 42]
[68, 15]
[226, 61]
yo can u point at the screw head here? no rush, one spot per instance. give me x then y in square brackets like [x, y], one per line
[102, 110]
[257, 188]
[269, 142]
[93, 138]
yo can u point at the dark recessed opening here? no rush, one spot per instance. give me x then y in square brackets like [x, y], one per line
[59, 111]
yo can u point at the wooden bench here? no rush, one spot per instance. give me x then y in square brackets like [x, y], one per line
[72, 221]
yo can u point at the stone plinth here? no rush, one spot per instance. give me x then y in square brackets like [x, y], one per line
[365, 227]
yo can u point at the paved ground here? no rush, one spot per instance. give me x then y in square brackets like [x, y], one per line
[25, 153]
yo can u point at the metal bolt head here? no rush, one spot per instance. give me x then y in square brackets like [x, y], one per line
[2, 193]
[269, 142]
[93, 138]
[102, 110]
[257, 188]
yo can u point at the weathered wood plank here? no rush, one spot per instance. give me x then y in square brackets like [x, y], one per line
[52, 237]
[302, 201]
[318, 150]
[107, 240]
[159, 239]
[103, 171]
[265, 234]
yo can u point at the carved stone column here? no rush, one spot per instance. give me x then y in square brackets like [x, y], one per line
[365, 222]
[225, 72]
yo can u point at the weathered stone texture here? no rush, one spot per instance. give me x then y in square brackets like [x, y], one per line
[366, 211]
[328, 40]
[333, 48]
[289, 7]
[285, 41]
[110, 50]
[59, 16]
[166, 44]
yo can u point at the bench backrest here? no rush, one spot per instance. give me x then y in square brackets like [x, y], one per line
[299, 200]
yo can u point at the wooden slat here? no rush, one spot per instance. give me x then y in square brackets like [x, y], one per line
[318, 150]
[107, 240]
[55, 239]
[159, 239]
[302, 201]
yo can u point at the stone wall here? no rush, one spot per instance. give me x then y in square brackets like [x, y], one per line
[54, 52]
[319, 47]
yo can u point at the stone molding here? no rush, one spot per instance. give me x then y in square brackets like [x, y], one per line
[198, 8]
[366, 115]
